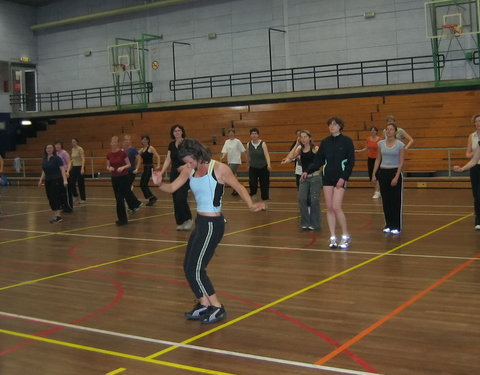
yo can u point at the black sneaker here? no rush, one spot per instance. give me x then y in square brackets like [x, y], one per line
[197, 312]
[56, 219]
[151, 201]
[120, 223]
[213, 314]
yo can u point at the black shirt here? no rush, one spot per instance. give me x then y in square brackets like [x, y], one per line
[51, 167]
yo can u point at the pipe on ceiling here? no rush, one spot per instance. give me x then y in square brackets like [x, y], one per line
[109, 13]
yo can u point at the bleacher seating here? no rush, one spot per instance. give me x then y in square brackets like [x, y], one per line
[435, 120]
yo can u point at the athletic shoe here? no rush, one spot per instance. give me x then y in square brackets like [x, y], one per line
[345, 242]
[151, 201]
[395, 231]
[120, 223]
[376, 195]
[187, 225]
[56, 219]
[386, 230]
[310, 228]
[180, 227]
[135, 209]
[333, 243]
[197, 312]
[477, 227]
[213, 314]
[304, 227]
[83, 201]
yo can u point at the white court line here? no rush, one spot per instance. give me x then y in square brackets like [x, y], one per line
[350, 251]
[186, 346]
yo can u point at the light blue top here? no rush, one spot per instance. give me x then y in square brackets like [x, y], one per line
[208, 192]
[390, 155]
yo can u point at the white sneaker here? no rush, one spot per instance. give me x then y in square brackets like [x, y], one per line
[376, 195]
[386, 230]
[333, 243]
[477, 227]
[395, 231]
[187, 225]
[345, 242]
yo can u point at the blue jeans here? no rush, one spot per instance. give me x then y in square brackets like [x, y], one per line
[309, 193]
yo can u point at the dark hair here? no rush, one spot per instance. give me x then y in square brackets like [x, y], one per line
[231, 130]
[146, 137]
[309, 136]
[45, 155]
[76, 140]
[374, 128]
[254, 130]
[184, 133]
[192, 147]
[392, 124]
[58, 141]
[474, 117]
[338, 120]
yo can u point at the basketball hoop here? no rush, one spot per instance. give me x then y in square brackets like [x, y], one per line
[455, 29]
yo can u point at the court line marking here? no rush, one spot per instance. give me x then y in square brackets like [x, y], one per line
[319, 250]
[28, 282]
[303, 290]
[114, 353]
[394, 312]
[186, 346]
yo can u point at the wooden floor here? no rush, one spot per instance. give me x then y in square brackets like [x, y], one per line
[88, 297]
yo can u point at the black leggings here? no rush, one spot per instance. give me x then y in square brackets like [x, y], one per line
[144, 180]
[76, 177]
[201, 246]
[262, 175]
[392, 198]
[475, 180]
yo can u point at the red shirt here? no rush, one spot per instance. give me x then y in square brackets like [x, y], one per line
[372, 147]
[117, 160]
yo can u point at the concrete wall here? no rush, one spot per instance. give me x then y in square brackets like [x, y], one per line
[15, 40]
[318, 32]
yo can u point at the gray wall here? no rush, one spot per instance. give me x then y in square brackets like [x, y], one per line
[318, 32]
[15, 39]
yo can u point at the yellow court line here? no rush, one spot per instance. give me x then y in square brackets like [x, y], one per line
[312, 286]
[114, 353]
[73, 230]
[127, 258]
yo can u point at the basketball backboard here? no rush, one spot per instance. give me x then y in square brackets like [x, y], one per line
[452, 18]
[124, 58]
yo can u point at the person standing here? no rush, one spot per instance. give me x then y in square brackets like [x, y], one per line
[1, 171]
[389, 164]
[55, 177]
[134, 157]
[76, 172]
[309, 187]
[259, 165]
[337, 156]
[147, 153]
[66, 194]
[183, 215]
[117, 165]
[401, 134]
[473, 165]
[371, 146]
[207, 181]
[233, 150]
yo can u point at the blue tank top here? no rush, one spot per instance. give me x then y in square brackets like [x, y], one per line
[208, 192]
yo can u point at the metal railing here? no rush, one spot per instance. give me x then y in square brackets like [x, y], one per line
[95, 165]
[81, 98]
[319, 76]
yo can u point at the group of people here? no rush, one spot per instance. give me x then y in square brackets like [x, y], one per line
[61, 174]
[327, 166]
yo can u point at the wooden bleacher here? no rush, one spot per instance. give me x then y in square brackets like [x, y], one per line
[435, 120]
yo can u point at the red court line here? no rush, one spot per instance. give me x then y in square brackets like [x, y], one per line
[399, 309]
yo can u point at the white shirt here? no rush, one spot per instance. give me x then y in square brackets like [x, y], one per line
[233, 148]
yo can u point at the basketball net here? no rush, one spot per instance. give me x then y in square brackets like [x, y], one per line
[455, 29]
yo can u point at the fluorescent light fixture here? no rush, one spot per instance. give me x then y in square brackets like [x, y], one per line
[26, 122]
